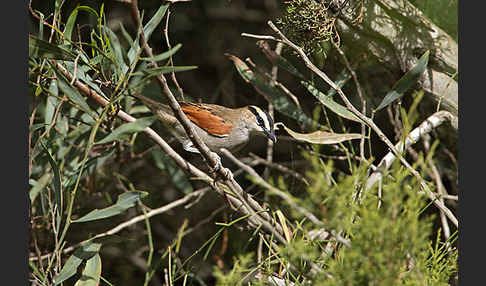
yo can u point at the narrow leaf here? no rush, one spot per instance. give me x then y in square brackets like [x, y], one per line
[68, 30]
[70, 268]
[330, 103]
[124, 130]
[116, 50]
[164, 55]
[156, 19]
[245, 72]
[91, 273]
[320, 137]
[283, 223]
[42, 49]
[124, 202]
[167, 69]
[406, 82]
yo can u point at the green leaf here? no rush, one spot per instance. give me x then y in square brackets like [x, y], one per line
[68, 30]
[124, 130]
[166, 69]
[147, 31]
[116, 49]
[406, 82]
[42, 49]
[51, 102]
[91, 273]
[320, 137]
[155, 21]
[330, 103]
[124, 202]
[70, 268]
[72, 93]
[164, 55]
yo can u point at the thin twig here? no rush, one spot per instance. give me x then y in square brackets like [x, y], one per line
[428, 125]
[166, 33]
[360, 94]
[440, 187]
[133, 221]
[279, 167]
[259, 180]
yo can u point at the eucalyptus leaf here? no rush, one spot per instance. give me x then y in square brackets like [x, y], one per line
[84, 252]
[124, 130]
[68, 29]
[124, 202]
[38, 186]
[406, 82]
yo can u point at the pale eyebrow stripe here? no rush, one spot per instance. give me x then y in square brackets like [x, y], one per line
[263, 116]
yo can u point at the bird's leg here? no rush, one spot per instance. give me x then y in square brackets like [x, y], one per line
[190, 148]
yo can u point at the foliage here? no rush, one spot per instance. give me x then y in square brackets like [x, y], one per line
[110, 208]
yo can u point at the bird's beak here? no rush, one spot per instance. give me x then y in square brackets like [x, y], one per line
[272, 136]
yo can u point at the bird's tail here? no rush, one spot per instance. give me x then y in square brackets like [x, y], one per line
[162, 111]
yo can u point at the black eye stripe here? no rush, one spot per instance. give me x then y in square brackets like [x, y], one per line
[261, 121]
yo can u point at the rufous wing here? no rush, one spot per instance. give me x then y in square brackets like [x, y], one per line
[205, 118]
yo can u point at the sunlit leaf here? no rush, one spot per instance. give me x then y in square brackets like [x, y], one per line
[124, 202]
[320, 137]
[155, 21]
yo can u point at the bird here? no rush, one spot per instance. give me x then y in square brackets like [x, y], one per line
[217, 126]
